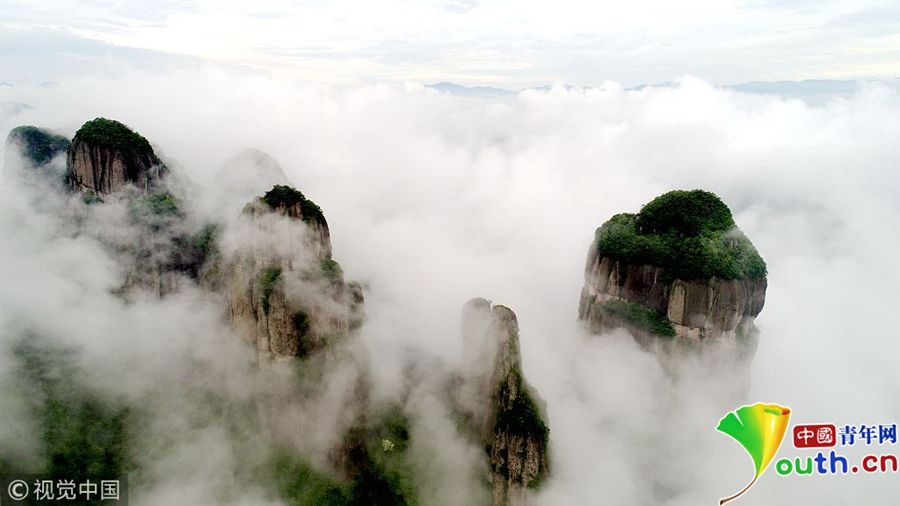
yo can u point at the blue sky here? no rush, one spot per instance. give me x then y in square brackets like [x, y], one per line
[496, 43]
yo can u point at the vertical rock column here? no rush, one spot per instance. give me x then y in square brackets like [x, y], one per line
[513, 429]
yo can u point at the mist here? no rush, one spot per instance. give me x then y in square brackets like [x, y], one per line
[433, 199]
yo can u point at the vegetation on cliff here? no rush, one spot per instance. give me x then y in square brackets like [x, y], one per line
[83, 435]
[38, 144]
[285, 196]
[205, 240]
[691, 234]
[640, 316]
[376, 465]
[520, 416]
[154, 211]
[332, 270]
[301, 485]
[162, 204]
[196, 254]
[90, 197]
[115, 135]
[685, 213]
[377, 460]
[267, 282]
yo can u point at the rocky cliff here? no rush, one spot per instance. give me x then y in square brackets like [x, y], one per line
[678, 270]
[166, 247]
[290, 303]
[147, 228]
[285, 292]
[106, 156]
[513, 430]
[285, 201]
[282, 290]
[689, 309]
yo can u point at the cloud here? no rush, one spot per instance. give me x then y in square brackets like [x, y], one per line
[433, 199]
[475, 43]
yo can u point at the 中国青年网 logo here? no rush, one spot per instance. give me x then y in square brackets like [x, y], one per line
[760, 429]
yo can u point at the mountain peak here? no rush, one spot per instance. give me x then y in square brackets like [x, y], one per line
[679, 270]
[107, 156]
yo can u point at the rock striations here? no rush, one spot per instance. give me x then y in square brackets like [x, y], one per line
[106, 156]
[679, 270]
[507, 410]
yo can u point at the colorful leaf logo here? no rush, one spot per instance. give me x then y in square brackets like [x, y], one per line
[759, 429]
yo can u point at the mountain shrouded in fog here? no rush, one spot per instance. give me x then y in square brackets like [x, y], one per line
[289, 325]
[678, 271]
[284, 295]
[679, 275]
[333, 253]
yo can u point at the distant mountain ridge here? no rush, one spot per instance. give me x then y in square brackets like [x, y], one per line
[813, 91]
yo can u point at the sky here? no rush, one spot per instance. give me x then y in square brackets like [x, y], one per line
[496, 43]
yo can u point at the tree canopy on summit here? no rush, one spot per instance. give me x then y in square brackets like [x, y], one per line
[691, 234]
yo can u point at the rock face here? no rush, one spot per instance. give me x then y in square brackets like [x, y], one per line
[106, 156]
[513, 430]
[290, 203]
[166, 248]
[696, 309]
[667, 273]
[289, 303]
